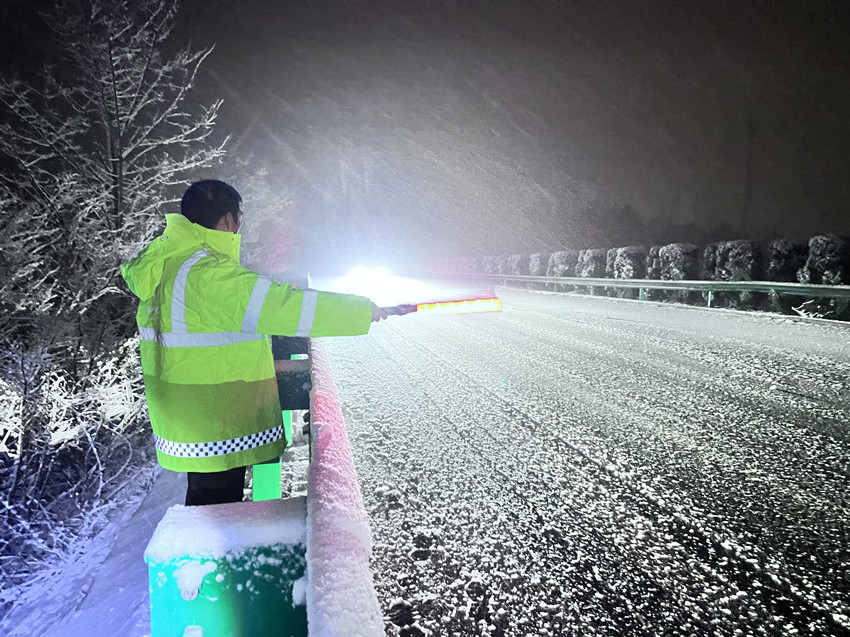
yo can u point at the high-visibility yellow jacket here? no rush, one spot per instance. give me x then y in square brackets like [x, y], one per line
[204, 323]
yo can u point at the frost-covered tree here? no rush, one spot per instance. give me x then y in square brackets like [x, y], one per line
[88, 154]
[92, 149]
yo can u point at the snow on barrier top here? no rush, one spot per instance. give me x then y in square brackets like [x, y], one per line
[215, 531]
[341, 599]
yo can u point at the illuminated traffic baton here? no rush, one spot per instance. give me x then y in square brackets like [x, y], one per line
[470, 306]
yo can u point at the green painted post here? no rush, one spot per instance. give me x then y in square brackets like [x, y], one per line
[642, 294]
[710, 297]
[266, 476]
[243, 591]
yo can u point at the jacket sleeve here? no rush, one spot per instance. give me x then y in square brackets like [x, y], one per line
[233, 298]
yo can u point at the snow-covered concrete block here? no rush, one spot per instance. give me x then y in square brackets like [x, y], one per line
[341, 599]
[229, 570]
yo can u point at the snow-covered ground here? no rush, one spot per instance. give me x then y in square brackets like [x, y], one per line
[570, 466]
[587, 466]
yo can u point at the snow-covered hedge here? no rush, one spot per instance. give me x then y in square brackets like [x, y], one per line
[628, 263]
[653, 271]
[518, 264]
[828, 263]
[736, 261]
[538, 263]
[610, 257]
[680, 262]
[591, 264]
[785, 258]
[824, 260]
[562, 263]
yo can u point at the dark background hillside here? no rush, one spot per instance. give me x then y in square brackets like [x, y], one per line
[409, 130]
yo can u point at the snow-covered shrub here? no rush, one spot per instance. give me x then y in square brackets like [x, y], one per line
[591, 265]
[680, 262]
[828, 263]
[504, 264]
[610, 256]
[629, 263]
[653, 271]
[739, 261]
[67, 450]
[490, 264]
[708, 263]
[537, 264]
[562, 263]
[785, 258]
[519, 264]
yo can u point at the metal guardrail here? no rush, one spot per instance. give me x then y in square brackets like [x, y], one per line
[794, 289]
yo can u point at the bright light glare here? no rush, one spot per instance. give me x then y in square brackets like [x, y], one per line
[382, 287]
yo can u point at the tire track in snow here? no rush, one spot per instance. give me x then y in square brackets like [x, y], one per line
[434, 362]
[748, 557]
[829, 532]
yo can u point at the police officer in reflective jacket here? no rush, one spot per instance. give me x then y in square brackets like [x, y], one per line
[204, 323]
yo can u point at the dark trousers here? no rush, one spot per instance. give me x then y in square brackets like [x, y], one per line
[218, 487]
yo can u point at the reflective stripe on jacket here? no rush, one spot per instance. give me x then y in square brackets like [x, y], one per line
[204, 323]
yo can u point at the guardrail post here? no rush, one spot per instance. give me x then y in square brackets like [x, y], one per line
[710, 297]
[642, 294]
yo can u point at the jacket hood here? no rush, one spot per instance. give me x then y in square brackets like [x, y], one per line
[181, 237]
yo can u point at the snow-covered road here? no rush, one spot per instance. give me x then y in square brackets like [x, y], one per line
[580, 466]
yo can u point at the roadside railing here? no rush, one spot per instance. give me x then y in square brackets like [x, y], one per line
[290, 567]
[709, 287]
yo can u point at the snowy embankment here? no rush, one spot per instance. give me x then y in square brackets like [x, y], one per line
[106, 592]
[593, 466]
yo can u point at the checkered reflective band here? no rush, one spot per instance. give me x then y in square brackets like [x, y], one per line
[218, 448]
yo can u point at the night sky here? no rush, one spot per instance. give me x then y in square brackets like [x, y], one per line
[398, 131]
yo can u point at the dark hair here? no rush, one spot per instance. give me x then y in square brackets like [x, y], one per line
[206, 202]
